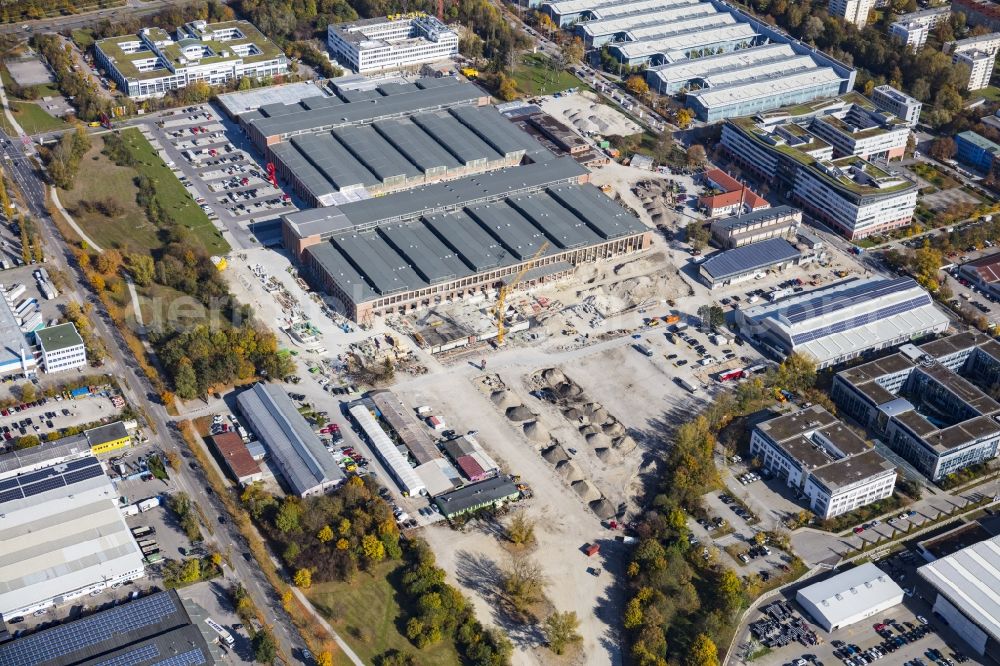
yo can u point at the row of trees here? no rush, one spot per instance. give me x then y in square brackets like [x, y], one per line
[81, 316]
[15, 11]
[928, 74]
[673, 593]
[62, 161]
[332, 537]
[88, 102]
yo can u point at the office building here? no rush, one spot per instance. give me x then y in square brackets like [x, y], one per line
[899, 104]
[460, 239]
[391, 43]
[730, 267]
[156, 630]
[305, 464]
[927, 402]
[850, 597]
[155, 62]
[820, 155]
[852, 11]
[967, 587]
[979, 54]
[62, 348]
[976, 151]
[843, 321]
[739, 230]
[62, 535]
[732, 197]
[984, 273]
[818, 456]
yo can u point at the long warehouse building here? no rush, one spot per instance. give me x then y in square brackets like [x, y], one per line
[305, 464]
[837, 323]
[394, 137]
[968, 594]
[724, 60]
[62, 535]
[461, 238]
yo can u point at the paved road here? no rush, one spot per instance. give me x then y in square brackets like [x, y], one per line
[136, 387]
[132, 8]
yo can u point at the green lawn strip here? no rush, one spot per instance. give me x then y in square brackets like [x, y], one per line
[369, 616]
[172, 195]
[34, 119]
[535, 75]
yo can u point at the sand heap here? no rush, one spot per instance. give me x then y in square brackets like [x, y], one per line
[536, 432]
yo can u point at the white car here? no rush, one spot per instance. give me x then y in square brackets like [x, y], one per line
[921, 619]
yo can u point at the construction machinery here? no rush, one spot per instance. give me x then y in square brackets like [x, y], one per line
[500, 308]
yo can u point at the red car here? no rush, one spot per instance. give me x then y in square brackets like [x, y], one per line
[859, 530]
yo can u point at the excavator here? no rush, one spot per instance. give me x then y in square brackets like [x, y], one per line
[500, 308]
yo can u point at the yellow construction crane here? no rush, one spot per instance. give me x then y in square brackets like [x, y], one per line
[505, 288]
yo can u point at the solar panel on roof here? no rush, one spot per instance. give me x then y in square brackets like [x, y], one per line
[861, 320]
[9, 483]
[83, 474]
[816, 307]
[72, 637]
[133, 657]
[36, 476]
[80, 464]
[43, 486]
[190, 658]
[10, 495]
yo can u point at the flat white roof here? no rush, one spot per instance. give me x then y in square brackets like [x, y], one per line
[636, 7]
[685, 70]
[577, 6]
[741, 92]
[405, 475]
[62, 540]
[847, 594]
[767, 70]
[660, 18]
[723, 33]
[970, 580]
[674, 28]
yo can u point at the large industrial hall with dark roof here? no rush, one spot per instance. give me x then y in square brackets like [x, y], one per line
[460, 238]
[424, 193]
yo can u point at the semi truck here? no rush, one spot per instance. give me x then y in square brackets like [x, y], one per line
[686, 385]
[224, 635]
[139, 532]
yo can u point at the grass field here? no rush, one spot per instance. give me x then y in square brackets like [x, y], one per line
[172, 195]
[100, 179]
[34, 119]
[84, 37]
[369, 616]
[535, 75]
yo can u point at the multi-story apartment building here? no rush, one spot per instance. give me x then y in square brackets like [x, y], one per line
[391, 43]
[912, 29]
[897, 103]
[926, 403]
[852, 11]
[153, 62]
[62, 348]
[832, 468]
[979, 54]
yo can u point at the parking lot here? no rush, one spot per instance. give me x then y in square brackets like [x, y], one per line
[215, 162]
[48, 415]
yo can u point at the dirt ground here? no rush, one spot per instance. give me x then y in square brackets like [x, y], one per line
[474, 558]
[583, 112]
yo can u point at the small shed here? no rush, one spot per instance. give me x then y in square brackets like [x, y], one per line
[592, 549]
